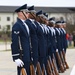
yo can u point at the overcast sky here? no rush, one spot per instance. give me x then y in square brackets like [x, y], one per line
[46, 3]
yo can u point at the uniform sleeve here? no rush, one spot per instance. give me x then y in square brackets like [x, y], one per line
[15, 43]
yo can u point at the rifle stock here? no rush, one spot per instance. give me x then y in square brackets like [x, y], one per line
[54, 64]
[60, 62]
[23, 71]
[49, 70]
[67, 67]
[63, 61]
[39, 71]
[44, 70]
[51, 64]
[32, 70]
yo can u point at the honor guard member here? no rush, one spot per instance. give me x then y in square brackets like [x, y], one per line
[33, 35]
[51, 20]
[58, 35]
[59, 39]
[52, 36]
[20, 40]
[61, 35]
[46, 32]
[62, 45]
[65, 45]
[41, 39]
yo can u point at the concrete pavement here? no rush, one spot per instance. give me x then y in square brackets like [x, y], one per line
[5, 46]
[70, 57]
[8, 67]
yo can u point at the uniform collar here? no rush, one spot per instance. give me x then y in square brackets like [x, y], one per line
[22, 20]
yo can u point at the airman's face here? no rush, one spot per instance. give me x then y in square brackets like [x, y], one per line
[34, 15]
[60, 26]
[42, 18]
[31, 15]
[64, 25]
[53, 25]
[26, 14]
[47, 22]
[37, 18]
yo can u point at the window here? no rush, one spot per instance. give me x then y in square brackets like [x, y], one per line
[8, 18]
[61, 18]
[8, 27]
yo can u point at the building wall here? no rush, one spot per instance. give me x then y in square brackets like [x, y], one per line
[4, 21]
[69, 17]
[57, 15]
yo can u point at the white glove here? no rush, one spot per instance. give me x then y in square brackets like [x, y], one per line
[19, 62]
[63, 49]
[56, 50]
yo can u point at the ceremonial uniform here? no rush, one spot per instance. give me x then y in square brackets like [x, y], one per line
[41, 41]
[41, 44]
[20, 41]
[46, 35]
[65, 44]
[58, 43]
[52, 38]
[33, 36]
[34, 41]
[19, 33]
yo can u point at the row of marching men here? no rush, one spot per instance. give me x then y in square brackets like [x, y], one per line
[38, 43]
